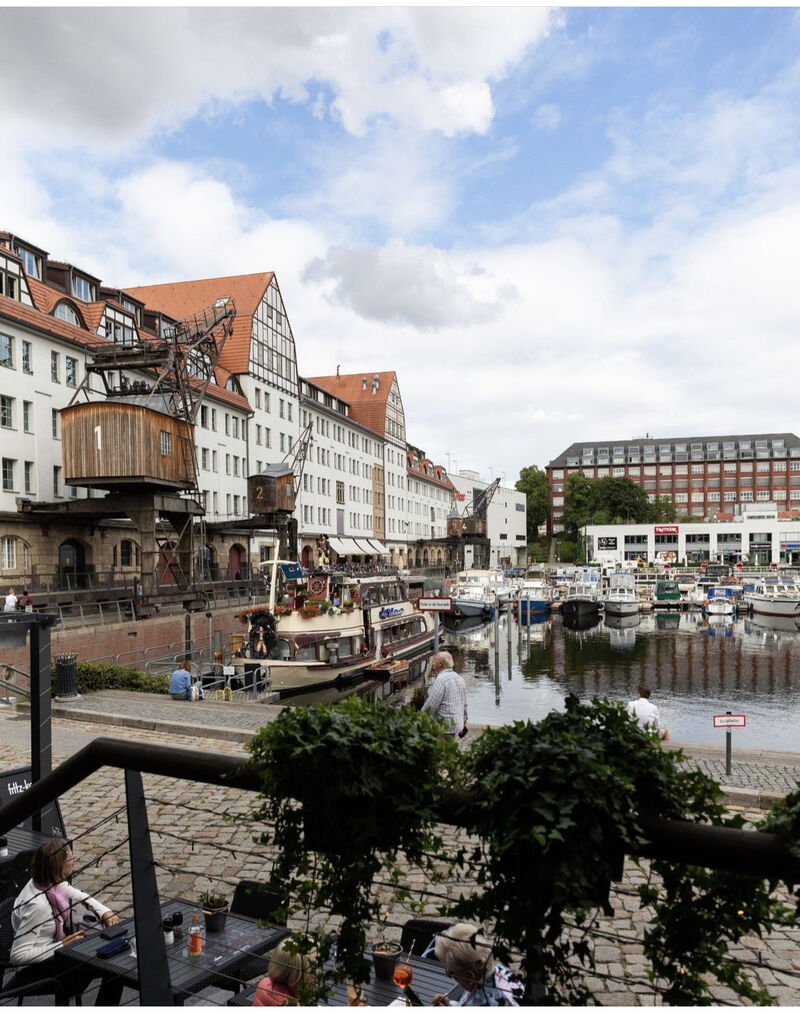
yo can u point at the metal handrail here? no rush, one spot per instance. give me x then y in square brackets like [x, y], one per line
[723, 848]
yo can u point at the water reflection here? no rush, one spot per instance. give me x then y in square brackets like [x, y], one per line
[696, 668]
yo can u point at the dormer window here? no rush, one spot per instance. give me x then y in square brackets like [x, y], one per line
[30, 261]
[67, 313]
[117, 327]
[12, 281]
[83, 289]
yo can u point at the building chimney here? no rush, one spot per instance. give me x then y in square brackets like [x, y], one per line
[364, 382]
[376, 383]
[337, 370]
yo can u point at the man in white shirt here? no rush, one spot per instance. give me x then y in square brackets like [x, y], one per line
[447, 697]
[645, 713]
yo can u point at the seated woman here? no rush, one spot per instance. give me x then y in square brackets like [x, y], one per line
[467, 956]
[41, 922]
[286, 975]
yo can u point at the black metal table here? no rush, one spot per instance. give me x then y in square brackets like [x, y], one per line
[223, 953]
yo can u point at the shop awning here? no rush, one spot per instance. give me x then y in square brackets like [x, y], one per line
[378, 547]
[364, 547]
[344, 546]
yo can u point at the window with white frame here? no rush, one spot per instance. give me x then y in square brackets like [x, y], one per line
[71, 371]
[28, 476]
[55, 367]
[82, 289]
[6, 411]
[8, 474]
[165, 443]
[7, 351]
[8, 551]
[65, 312]
[27, 357]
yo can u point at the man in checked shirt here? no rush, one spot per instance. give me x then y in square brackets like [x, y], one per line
[447, 696]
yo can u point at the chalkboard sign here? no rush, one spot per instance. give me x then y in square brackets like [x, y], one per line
[14, 783]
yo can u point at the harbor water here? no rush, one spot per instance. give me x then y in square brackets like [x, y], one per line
[696, 668]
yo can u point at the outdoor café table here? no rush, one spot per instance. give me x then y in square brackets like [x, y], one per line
[429, 978]
[223, 953]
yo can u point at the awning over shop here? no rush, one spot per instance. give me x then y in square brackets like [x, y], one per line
[344, 546]
[378, 547]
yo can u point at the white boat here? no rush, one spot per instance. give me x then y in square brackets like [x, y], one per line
[583, 599]
[480, 593]
[621, 599]
[331, 628]
[721, 601]
[535, 596]
[774, 596]
[698, 594]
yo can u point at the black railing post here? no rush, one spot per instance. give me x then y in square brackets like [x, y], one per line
[155, 987]
[41, 728]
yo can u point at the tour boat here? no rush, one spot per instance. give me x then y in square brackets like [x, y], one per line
[774, 596]
[331, 628]
[621, 598]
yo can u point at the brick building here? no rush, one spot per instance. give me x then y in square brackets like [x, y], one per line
[706, 477]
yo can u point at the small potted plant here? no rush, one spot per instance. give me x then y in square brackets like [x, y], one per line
[215, 910]
[384, 952]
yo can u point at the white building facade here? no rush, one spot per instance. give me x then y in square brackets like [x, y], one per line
[759, 537]
[506, 526]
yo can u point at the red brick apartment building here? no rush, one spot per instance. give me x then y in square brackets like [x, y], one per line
[708, 477]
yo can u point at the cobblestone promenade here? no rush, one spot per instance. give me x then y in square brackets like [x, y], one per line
[197, 845]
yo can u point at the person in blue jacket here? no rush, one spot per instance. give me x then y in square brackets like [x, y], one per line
[180, 683]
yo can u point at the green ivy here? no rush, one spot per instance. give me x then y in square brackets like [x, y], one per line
[346, 787]
[555, 807]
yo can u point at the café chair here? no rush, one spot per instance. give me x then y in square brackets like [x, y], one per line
[15, 875]
[41, 987]
[421, 932]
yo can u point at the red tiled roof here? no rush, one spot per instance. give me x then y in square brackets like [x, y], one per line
[13, 310]
[182, 299]
[365, 407]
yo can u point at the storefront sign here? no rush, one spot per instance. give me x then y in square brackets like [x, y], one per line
[607, 542]
[666, 529]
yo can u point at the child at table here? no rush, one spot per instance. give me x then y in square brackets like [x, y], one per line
[286, 975]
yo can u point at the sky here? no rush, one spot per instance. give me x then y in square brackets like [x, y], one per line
[554, 224]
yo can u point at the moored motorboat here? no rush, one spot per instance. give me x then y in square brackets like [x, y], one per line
[331, 628]
[621, 598]
[667, 595]
[720, 601]
[774, 596]
[583, 598]
[480, 593]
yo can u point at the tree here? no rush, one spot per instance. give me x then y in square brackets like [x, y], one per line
[579, 503]
[662, 509]
[533, 483]
[620, 498]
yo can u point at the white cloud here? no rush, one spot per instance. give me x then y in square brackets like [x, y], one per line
[419, 287]
[547, 117]
[101, 76]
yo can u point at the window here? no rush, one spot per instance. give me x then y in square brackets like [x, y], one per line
[204, 416]
[713, 497]
[227, 425]
[258, 435]
[55, 368]
[67, 313]
[27, 360]
[7, 351]
[204, 458]
[235, 427]
[283, 442]
[82, 288]
[128, 553]
[235, 465]
[213, 461]
[28, 476]
[281, 411]
[227, 464]
[8, 552]
[258, 397]
[31, 263]
[71, 372]
[762, 495]
[8, 474]
[6, 412]
[165, 444]
[54, 422]
[267, 437]
[339, 492]
[56, 480]
[289, 411]
[27, 416]
[214, 419]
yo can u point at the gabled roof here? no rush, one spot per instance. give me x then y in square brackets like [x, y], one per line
[367, 407]
[183, 299]
[39, 318]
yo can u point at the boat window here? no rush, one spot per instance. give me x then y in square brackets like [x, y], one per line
[284, 650]
[306, 652]
[348, 646]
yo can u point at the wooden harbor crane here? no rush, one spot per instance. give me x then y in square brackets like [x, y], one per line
[138, 443]
[272, 495]
[469, 528]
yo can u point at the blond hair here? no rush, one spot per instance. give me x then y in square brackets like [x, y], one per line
[463, 949]
[291, 969]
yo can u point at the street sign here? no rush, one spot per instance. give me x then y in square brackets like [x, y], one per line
[435, 605]
[727, 721]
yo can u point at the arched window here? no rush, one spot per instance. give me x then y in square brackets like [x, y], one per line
[66, 313]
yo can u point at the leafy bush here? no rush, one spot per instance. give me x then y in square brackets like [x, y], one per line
[92, 676]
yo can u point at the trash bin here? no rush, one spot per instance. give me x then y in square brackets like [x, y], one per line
[67, 674]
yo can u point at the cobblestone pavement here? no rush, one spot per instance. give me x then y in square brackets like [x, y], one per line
[202, 837]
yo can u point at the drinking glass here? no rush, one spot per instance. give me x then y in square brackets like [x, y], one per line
[403, 975]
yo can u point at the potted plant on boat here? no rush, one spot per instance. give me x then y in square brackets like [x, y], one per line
[215, 910]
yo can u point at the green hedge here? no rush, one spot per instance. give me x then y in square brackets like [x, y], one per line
[114, 677]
